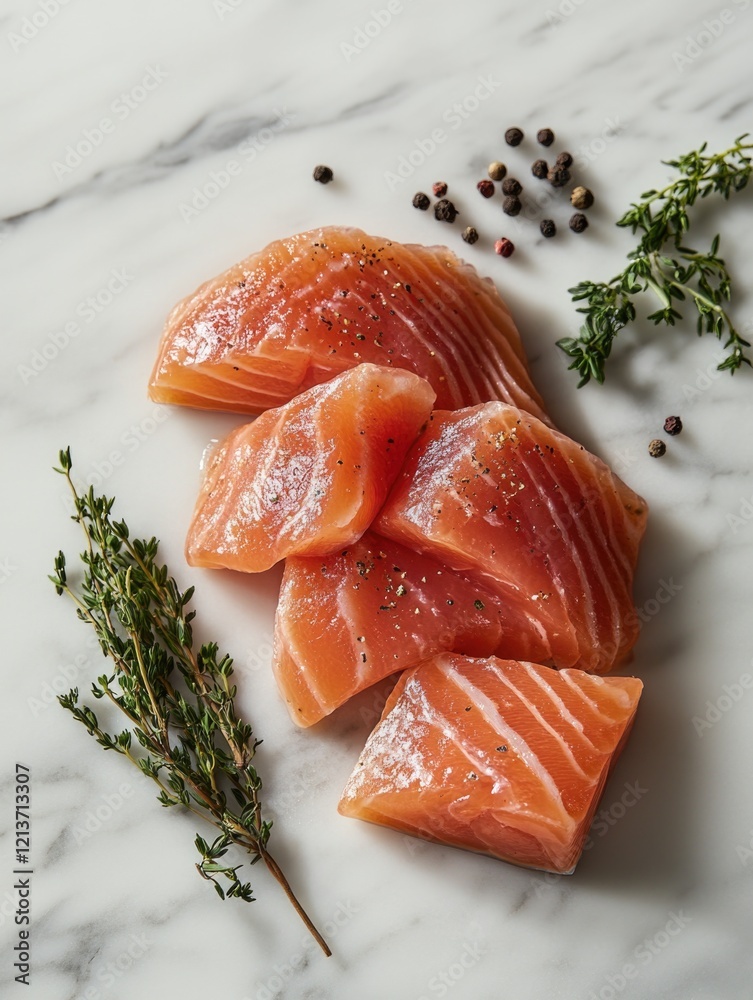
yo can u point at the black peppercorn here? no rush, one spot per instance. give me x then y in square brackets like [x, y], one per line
[548, 228]
[486, 188]
[514, 136]
[511, 205]
[511, 186]
[578, 222]
[539, 169]
[323, 174]
[656, 448]
[421, 201]
[558, 176]
[581, 197]
[565, 160]
[504, 247]
[445, 211]
[673, 425]
[439, 189]
[470, 235]
[545, 136]
[497, 171]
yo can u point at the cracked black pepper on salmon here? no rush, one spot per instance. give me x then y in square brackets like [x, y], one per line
[307, 307]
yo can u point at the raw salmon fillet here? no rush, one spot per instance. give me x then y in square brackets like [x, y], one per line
[348, 620]
[308, 307]
[497, 756]
[308, 477]
[493, 492]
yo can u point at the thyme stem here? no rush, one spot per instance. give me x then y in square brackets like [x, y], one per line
[660, 263]
[278, 874]
[193, 744]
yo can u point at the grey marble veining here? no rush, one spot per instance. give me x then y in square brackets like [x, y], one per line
[661, 905]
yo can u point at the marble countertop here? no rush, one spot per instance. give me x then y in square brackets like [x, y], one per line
[146, 147]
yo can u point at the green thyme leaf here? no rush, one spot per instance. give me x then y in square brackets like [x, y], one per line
[663, 265]
[179, 702]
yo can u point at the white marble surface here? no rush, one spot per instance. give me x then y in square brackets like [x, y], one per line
[118, 911]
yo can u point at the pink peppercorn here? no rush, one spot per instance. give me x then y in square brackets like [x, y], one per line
[504, 247]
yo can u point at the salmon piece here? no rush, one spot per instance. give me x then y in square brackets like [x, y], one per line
[497, 756]
[495, 493]
[346, 621]
[307, 478]
[311, 306]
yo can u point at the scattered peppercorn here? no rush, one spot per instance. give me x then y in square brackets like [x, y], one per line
[504, 247]
[421, 201]
[323, 174]
[497, 171]
[656, 448]
[565, 160]
[470, 235]
[578, 222]
[511, 186]
[673, 425]
[511, 205]
[539, 168]
[514, 136]
[545, 136]
[581, 197]
[548, 228]
[558, 176]
[439, 189]
[445, 211]
[486, 188]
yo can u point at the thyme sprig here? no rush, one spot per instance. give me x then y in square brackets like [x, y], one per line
[182, 731]
[663, 265]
